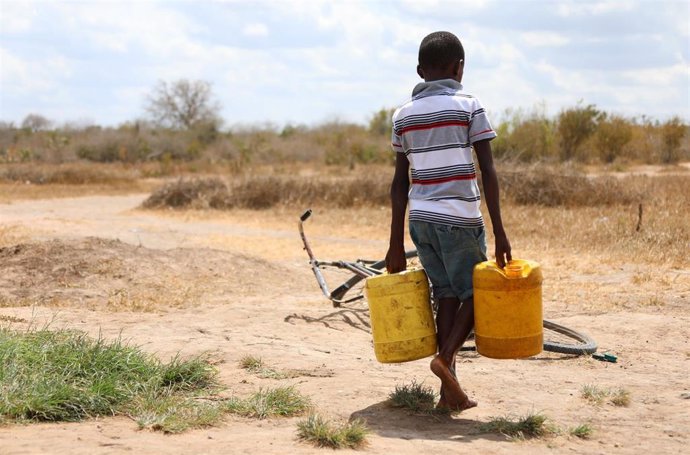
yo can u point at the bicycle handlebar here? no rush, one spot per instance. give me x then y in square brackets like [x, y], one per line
[312, 260]
[305, 215]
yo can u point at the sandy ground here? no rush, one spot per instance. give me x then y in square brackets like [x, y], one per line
[238, 283]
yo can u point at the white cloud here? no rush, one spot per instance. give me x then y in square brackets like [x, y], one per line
[595, 8]
[255, 30]
[441, 6]
[16, 17]
[348, 57]
[544, 39]
[122, 27]
[30, 76]
[660, 77]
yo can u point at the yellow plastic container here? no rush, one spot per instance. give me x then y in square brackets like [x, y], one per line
[508, 309]
[402, 321]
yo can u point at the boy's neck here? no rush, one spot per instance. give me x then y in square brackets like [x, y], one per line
[440, 78]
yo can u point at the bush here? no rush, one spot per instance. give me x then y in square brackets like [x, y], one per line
[526, 136]
[672, 133]
[575, 126]
[612, 135]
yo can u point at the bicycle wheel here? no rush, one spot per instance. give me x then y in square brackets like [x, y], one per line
[557, 338]
[353, 288]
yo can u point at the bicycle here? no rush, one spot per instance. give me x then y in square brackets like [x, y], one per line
[557, 338]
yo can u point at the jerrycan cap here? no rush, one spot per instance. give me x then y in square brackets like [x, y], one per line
[514, 269]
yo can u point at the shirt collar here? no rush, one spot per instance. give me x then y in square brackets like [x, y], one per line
[439, 87]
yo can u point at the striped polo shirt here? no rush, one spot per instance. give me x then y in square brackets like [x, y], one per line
[435, 130]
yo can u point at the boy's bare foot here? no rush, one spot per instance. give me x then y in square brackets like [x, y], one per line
[453, 396]
[467, 404]
[443, 404]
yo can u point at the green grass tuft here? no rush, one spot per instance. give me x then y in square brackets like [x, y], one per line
[322, 433]
[281, 401]
[413, 396]
[528, 426]
[583, 431]
[65, 375]
[257, 366]
[598, 395]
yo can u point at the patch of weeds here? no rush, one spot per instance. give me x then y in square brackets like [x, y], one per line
[528, 426]
[322, 433]
[594, 393]
[257, 366]
[414, 397]
[640, 278]
[65, 375]
[620, 397]
[654, 301]
[173, 413]
[281, 401]
[583, 431]
[598, 395]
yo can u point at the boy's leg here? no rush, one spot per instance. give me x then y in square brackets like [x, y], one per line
[443, 364]
[445, 319]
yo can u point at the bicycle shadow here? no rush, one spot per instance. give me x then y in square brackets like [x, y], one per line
[358, 319]
[386, 421]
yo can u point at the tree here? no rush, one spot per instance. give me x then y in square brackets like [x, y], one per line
[184, 104]
[381, 122]
[672, 133]
[613, 133]
[575, 126]
[35, 122]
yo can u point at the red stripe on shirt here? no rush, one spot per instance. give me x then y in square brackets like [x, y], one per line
[444, 179]
[482, 132]
[432, 125]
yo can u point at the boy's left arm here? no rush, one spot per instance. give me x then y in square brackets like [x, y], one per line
[490, 184]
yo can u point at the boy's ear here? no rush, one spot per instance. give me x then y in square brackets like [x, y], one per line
[420, 71]
[459, 69]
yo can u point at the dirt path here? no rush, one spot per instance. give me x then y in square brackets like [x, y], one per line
[245, 301]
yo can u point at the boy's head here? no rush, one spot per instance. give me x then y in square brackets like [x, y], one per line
[441, 56]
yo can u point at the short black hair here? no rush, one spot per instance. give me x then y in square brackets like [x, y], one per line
[440, 49]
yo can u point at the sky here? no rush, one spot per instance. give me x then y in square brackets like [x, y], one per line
[280, 62]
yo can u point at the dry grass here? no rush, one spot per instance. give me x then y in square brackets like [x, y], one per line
[68, 174]
[263, 192]
[324, 433]
[544, 206]
[564, 188]
[11, 235]
[595, 394]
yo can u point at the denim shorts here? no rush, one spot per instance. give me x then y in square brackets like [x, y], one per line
[449, 254]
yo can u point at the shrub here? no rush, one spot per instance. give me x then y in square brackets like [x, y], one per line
[525, 136]
[672, 133]
[612, 134]
[575, 126]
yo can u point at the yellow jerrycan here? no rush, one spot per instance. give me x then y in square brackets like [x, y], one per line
[402, 322]
[508, 309]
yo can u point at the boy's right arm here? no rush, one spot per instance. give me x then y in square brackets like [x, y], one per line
[395, 258]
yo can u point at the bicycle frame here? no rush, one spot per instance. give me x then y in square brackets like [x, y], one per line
[358, 267]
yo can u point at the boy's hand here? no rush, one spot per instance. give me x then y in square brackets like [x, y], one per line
[395, 260]
[503, 255]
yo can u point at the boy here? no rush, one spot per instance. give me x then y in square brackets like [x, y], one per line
[433, 135]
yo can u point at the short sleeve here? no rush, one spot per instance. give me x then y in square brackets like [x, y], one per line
[480, 128]
[396, 137]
